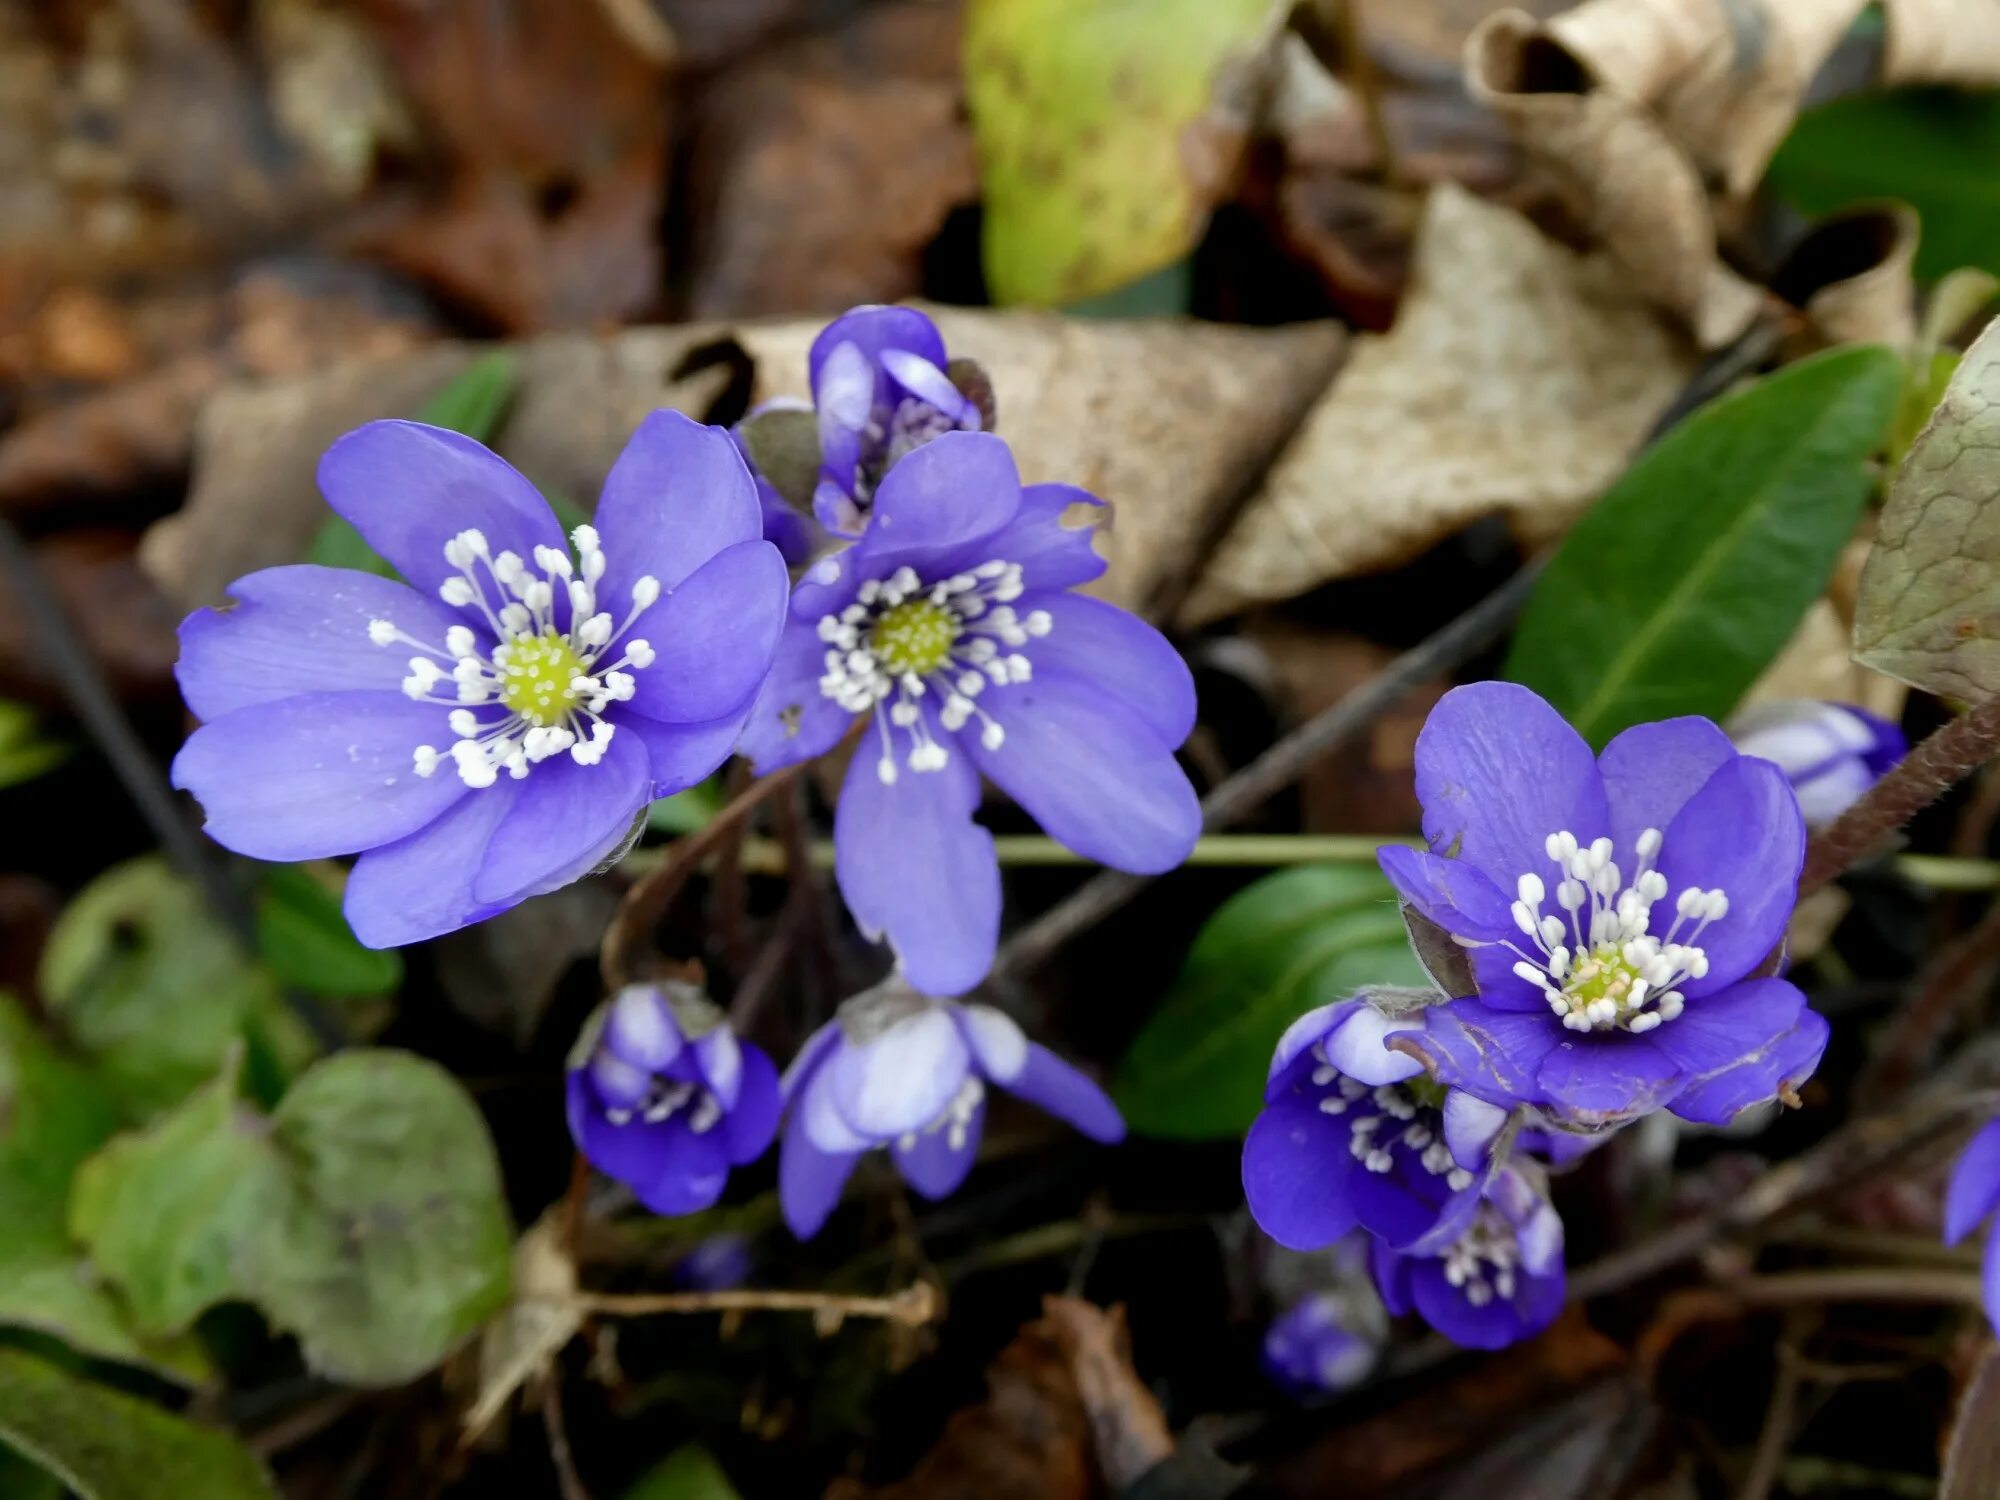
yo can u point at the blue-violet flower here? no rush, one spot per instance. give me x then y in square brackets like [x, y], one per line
[1604, 1009]
[1830, 752]
[951, 626]
[1499, 1282]
[899, 1070]
[663, 1097]
[496, 730]
[1323, 1344]
[1971, 1199]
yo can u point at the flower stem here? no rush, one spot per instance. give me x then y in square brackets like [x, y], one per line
[913, 1306]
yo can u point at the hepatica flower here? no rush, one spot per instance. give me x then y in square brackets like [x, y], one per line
[1830, 752]
[950, 629]
[1323, 1344]
[1971, 1200]
[899, 1071]
[1498, 1282]
[663, 1097]
[1352, 1133]
[1621, 913]
[492, 729]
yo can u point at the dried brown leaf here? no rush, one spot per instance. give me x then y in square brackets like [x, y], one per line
[521, 1344]
[1519, 377]
[1940, 41]
[1851, 276]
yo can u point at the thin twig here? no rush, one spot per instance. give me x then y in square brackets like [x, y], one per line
[1926, 774]
[559, 1450]
[1780, 1417]
[1946, 983]
[914, 1306]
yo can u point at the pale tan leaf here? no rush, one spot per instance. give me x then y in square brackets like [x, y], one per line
[522, 1343]
[1940, 41]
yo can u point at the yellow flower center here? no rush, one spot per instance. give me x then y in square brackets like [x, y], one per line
[536, 676]
[914, 637]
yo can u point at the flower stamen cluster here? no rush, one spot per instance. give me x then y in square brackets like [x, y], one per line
[1381, 1117]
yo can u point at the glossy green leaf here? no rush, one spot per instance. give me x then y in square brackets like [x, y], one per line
[1087, 115]
[304, 939]
[689, 1473]
[1276, 949]
[53, 1114]
[1683, 582]
[106, 1445]
[154, 991]
[1936, 149]
[473, 403]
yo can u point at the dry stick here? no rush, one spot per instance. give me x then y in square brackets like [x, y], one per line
[1780, 1417]
[1946, 982]
[559, 1450]
[914, 1306]
[1926, 774]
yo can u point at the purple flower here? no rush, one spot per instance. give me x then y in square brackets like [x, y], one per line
[1621, 914]
[899, 1070]
[1323, 1344]
[663, 1097]
[1499, 1282]
[881, 389]
[718, 1264]
[1973, 1196]
[497, 730]
[1352, 1133]
[1830, 752]
[952, 627]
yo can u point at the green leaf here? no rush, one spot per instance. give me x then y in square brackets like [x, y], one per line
[304, 939]
[1683, 582]
[1929, 606]
[1276, 949]
[25, 752]
[154, 991]
[473, 404]
[1086, 116]
[53, 1115]
[107, 1445]
[689, 1473]
[684, 812]
[364, 1215]
[1935, 149]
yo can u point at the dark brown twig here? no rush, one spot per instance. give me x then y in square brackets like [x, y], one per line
[1946, 983]
[559, 1450]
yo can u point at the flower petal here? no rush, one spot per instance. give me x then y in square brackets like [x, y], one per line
[1651, 770]
[1732, 1047]
[1498, 771]
[1355, 1046]
[1741, 833]
[686, 1188]
[931, 1164]
[872, 328]
[1295, 1170]
[1053, 554]
[999, 1046]
[1092, 773]
[1492, 1054]
[1601, 1077]
[1299, 1037]
[301, 630]
[1451, 893]
[409, 488]
[792, 720]
[713, 636]
[421, 886]
[809, 1179]
[901, 1080]
[568, 819]
[913, 866]
[1471, 1125]
[1975, 1185]
[677, 496]
[752, 1122]
[679, 755]
[1056, 1088]
[318, 775]
[1118, 654]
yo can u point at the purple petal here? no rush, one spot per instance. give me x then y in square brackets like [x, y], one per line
[808, 1060]
[1989, 1279]
[1299, 1037]
[1742, 833]
[640, 1030]
[1470, 1127]
[1499, 986]
[871, 329]
[421, 886]
[1735, 1048]
[1056, 1088]
[1092, 773]
[931, 1164]
[1651, 770]
[713, 636]
[682, 1191]
[845, 395]
[679, 755]
[409, 488]
[568, 819]
[718, 1064]
[1119, 655]
[999, 1046]
[1451, 893]
[1355, 1046]
[1494, 1055]
[313, 776]
[901, 1080]
[301, 630]
[913, 865]
[929, 384]
[1386, 1206]
[1600, 1077]
[1497, 1325]
[1295, 1170]
[1498, 771]
[1052, 554]
[1391, 1271]
[809, 1179]
[677, 496]
[1975, 1185]
[749, 1126]
[792, 719]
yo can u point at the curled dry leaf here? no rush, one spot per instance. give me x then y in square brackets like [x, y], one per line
[521, 1344]
[1929, 608]
[1852, 277]
[1519, 377]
